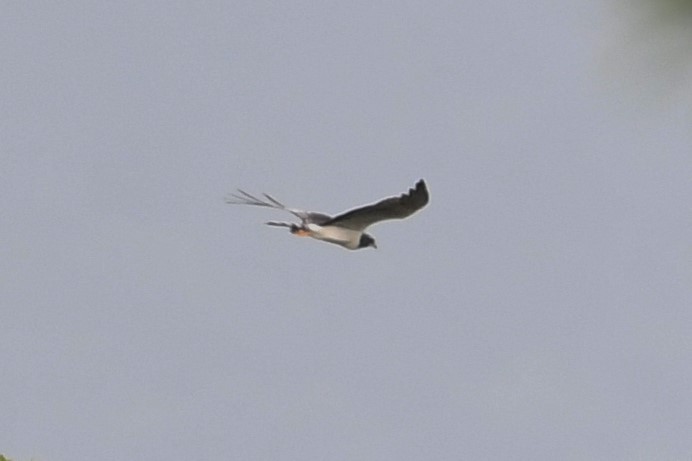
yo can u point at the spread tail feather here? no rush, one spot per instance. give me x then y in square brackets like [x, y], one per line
[279, 224]
[292, 226]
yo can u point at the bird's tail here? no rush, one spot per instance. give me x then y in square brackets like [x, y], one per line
[292, 226]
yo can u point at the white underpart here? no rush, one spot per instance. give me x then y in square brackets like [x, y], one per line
[345, 237]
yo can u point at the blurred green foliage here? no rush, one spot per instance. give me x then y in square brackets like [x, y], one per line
[667, 11]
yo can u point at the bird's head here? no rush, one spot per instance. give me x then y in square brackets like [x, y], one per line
[366, 240]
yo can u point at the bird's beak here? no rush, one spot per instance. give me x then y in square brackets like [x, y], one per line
[374, 245]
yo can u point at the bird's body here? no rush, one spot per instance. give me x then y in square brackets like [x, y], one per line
[346, 229]
[347, 238]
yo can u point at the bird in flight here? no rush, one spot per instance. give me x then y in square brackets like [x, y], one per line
[348, 228]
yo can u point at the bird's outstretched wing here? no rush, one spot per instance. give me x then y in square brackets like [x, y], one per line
[389, 208]
[306, 217]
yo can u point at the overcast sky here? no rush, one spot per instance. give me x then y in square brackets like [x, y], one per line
[538, 308]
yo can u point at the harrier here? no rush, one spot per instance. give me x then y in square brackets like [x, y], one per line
[348, 228]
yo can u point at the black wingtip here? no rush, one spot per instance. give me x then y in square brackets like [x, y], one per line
[417, 196]
[421, 190]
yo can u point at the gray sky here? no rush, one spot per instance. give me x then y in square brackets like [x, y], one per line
[538, 308]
